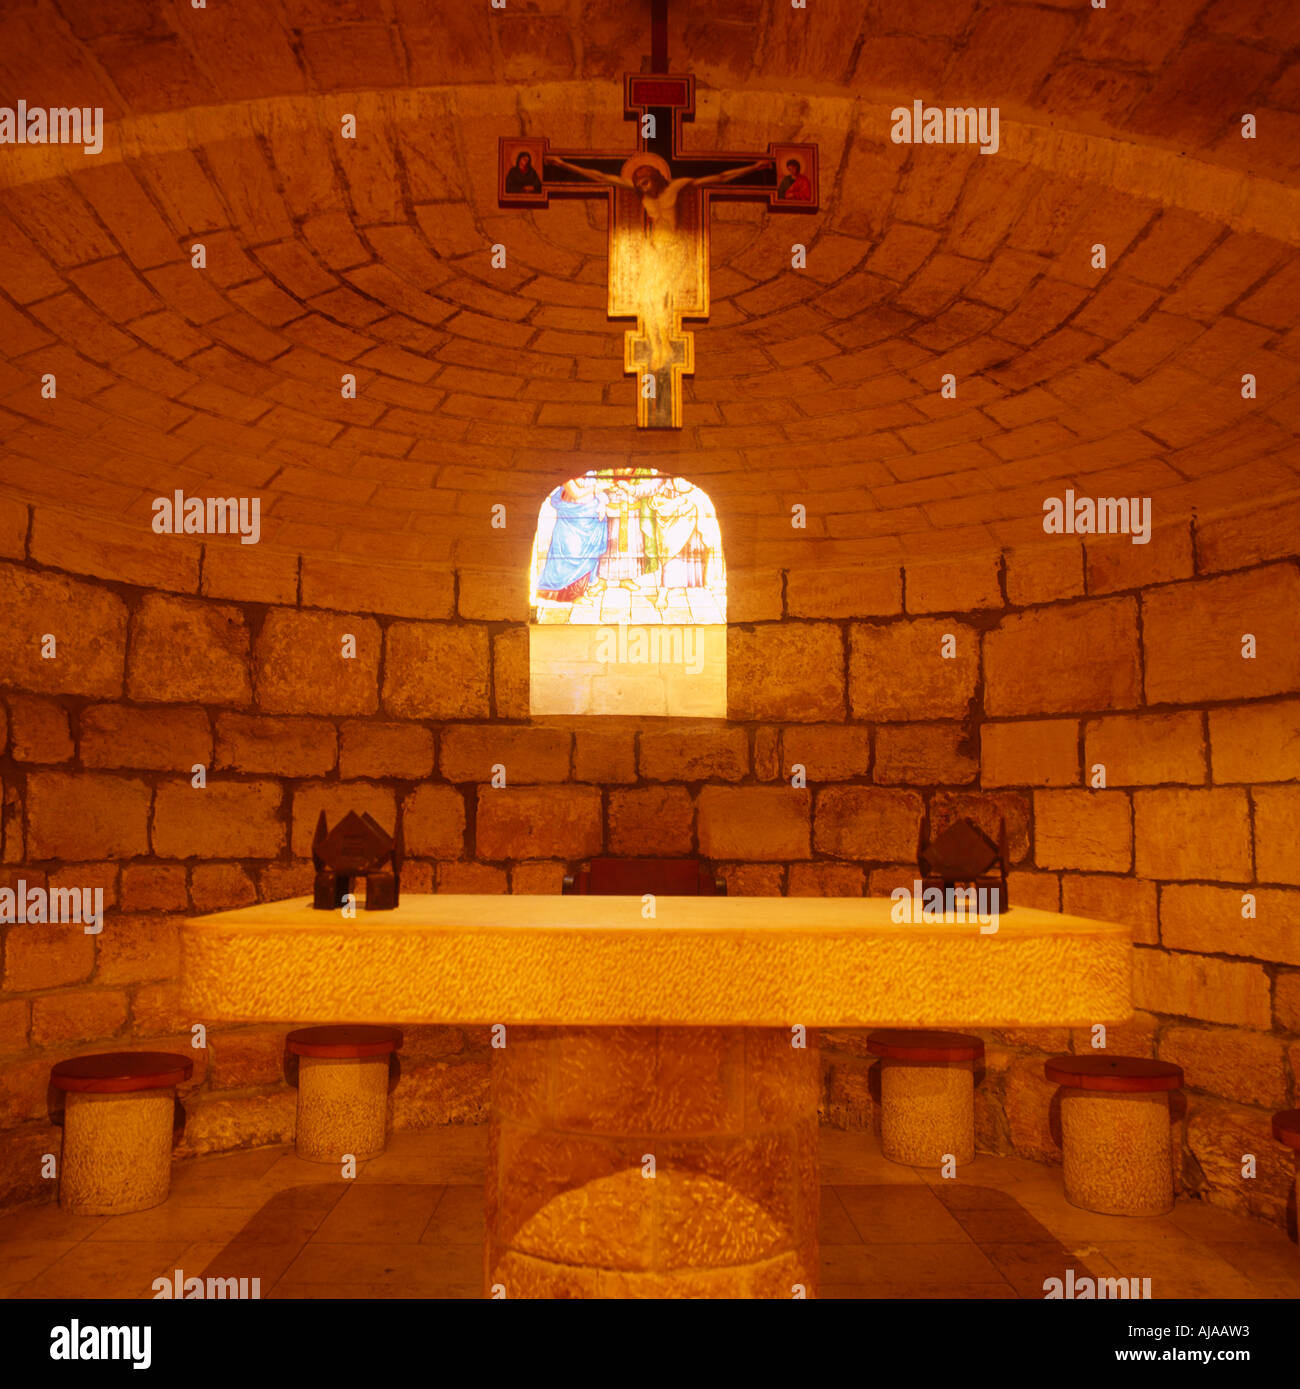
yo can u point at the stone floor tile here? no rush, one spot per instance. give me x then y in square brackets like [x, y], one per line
[856, 1158]
[412, 1268]
[836, 1225]
[237, 1192]
[459, 1217]
[455, 1154]
[433, 1291]
[245, 1259]
[1262, 1259]
[994, 1217]
[894, 1215]
[1069, 1222]
[1027, 1267]
[249, 1163]
[107, 1269]
[49, 1221]
[23, 1260]
[291, 1215]
[172, 1221]
[912, 1270]
[1180, 1267]
[293, 1171]
[393, 1213]
[1200, 1219]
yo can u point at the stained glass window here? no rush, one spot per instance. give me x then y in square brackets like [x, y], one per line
[628, 595]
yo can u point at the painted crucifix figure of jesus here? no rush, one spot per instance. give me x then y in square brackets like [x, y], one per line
[656, 263]
[659, 215]
[658, 193]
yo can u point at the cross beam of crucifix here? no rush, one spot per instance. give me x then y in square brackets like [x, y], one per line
[659, 213]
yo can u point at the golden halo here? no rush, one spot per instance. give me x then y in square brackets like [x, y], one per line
[644, 159]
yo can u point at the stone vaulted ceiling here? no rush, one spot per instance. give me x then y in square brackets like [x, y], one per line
[818, 386]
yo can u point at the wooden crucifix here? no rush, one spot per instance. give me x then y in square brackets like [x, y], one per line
[659, 212]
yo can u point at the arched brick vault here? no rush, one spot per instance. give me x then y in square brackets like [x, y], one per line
[820, 387]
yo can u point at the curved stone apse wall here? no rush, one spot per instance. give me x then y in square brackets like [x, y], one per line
[1066, 656]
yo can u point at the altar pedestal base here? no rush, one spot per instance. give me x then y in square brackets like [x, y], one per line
[653, 1162]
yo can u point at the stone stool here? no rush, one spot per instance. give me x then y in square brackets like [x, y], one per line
[343, 1090]
[117, 1129]
[1286, 1129]
[927, 1093]
[1115, 1132]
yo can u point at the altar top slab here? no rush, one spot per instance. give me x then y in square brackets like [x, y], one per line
[594, 961]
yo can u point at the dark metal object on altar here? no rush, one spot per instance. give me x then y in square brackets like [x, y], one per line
[356, 847]
[964, 856]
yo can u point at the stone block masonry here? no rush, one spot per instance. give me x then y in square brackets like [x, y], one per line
[1145, 768]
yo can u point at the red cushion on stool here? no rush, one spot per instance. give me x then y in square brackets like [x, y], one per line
[114, 1072]
[904, 1044]
[1286, 1127]
[1130, 1074]
[339, 1041]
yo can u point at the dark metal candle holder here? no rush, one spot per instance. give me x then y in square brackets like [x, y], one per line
[963, 856]
[356, 847]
